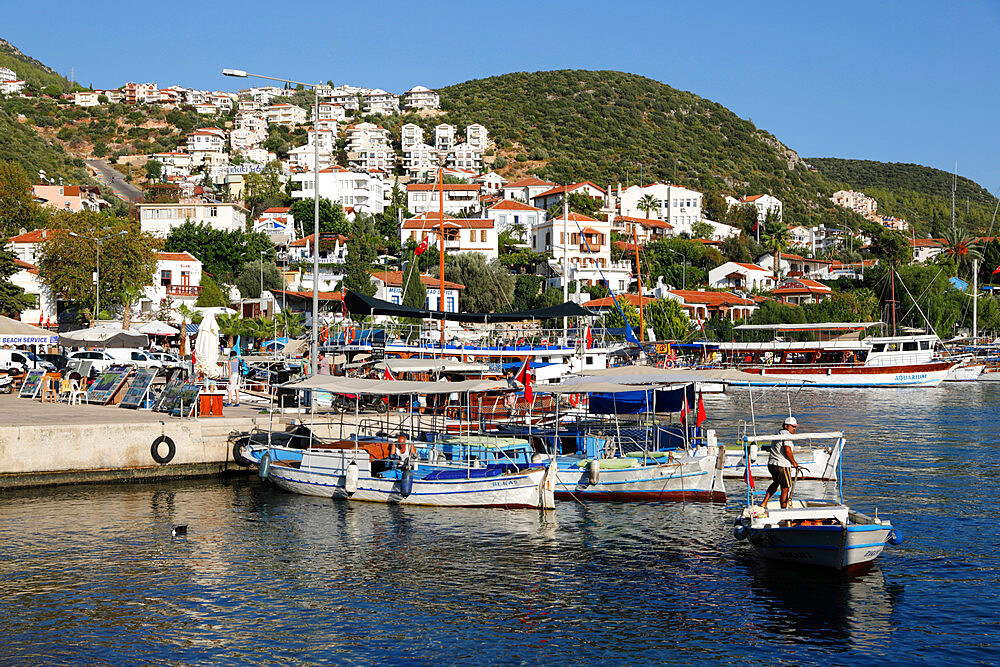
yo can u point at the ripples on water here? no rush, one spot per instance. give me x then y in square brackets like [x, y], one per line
[91, 574]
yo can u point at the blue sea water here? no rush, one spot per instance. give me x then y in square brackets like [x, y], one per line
[91, 574]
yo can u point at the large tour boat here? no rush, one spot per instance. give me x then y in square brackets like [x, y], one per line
[843, 361]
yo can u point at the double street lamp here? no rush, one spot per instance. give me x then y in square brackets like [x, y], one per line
[314, 344]
[97, 274]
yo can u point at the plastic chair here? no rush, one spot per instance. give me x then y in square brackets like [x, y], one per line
[76, 394]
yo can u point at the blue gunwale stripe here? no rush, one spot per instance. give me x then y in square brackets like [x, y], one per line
[865, 546]
[855, 528]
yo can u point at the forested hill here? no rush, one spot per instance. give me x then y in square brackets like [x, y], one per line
[35, 73]
[912, 191]
[570, 125]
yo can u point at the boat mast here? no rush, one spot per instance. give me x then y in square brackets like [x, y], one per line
[892, 298]
[441, 255]
[565, 249]
[638, 277]
[975, 300]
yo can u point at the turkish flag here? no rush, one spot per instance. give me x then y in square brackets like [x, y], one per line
[684, 410]
[388, 374]
[701, 411]
[524, 377]
[750, 478]
[42, 319]
[590, 338]
[996, 270]
[422, 247]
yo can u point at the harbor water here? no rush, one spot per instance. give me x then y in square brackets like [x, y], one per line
[91, 574]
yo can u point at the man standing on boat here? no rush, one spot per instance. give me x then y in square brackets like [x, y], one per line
[780, 464]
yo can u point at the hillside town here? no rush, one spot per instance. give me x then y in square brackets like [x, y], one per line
[587, 239]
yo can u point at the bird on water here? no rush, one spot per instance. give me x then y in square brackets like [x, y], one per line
[179, 530]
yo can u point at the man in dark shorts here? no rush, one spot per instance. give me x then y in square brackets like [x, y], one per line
[781, 463]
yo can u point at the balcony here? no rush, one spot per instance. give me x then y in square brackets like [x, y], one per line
[593, 248]
[183, 290]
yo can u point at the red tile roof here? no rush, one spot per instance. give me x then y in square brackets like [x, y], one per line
[277, 209]
[395, 279]
[559, 189]
[512, 205]
[646, 222]
[306, 241]
[433, 221]
[34, 236]
[752, 267]
[573, 217]
[423, 187]
[927, 243]
[527, 182]
[323, 296]
[608, 302]
[747, 200]
[711, 298]
[176, 257]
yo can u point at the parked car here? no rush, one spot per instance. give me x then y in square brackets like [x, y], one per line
[22, 361]
[100, 360]
[57, 360]
[134, 356]
[167, 358]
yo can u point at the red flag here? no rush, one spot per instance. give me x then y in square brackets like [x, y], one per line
[750, 482]
[422, 247]
[590, 338]
[524, 377]
[41, 319]
[388, 374]
[996, 270]
[701, 411]
[684, 410]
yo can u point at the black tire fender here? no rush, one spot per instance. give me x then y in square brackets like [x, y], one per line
[154, 450]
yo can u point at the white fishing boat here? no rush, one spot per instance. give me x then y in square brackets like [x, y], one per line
[817, 462]
[353, 475]
[821, 532]
[966, 369]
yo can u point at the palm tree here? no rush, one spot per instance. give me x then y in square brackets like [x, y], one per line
[648, 203]
[187, 315]
[129, 295]
[962, 247]
[777, 239]
[290, 324]
[230, 326]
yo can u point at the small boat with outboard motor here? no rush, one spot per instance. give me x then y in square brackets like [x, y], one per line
[820, 532]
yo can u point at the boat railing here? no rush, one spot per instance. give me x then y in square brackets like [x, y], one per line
[831, 435]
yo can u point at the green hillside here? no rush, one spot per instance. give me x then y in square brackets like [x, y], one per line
[570, 125]
[20, 143]
[914, 192]
[35, 73]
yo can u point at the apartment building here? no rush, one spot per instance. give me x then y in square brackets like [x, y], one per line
[378, 101]
[177, 278]
[421, 97]
[390, 284]
[458, 197]
[679, 206]
[206, 140]
[420, 161]
[361, 191]
[585, 243]
[526, 189]
[512, 214]
[858, 202]
[288, 115]
[159, 219]
[555, 195]
[477, 137]
[410, 135]
[765, 204]
[461, 235]
[444, 136]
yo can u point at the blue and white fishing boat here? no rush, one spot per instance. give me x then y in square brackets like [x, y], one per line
[820, 532]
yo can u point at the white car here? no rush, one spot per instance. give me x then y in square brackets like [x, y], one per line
[166, 358]
[100, 360]
[134, 356]
[22, 361]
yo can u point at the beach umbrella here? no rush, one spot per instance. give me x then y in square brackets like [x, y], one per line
[206, 347]
[156, 328]
[104, 335]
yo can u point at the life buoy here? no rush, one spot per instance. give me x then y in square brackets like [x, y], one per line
[545, 341]
[154, 450]
[574, 400]
[349, 336]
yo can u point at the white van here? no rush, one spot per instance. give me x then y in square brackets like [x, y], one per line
[22, 361]
[134, 356]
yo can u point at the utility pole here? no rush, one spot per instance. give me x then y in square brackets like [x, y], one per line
[954, 186]
[565, 241]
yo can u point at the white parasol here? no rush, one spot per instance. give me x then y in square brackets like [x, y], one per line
[156, 328]
[206, 347]
[104, 335]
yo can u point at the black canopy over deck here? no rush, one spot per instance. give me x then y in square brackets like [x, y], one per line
[368, 305]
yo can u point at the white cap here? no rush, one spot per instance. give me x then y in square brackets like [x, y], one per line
[790, 421]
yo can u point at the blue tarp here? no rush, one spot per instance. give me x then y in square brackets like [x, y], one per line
[635, 402]
[276, 343]
[958, 284]
[191, 329]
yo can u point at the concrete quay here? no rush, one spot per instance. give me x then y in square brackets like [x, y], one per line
[54, 443]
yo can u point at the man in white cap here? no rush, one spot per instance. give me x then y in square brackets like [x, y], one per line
[780, 464]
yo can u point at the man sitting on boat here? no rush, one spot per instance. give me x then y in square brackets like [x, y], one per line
[780, 464]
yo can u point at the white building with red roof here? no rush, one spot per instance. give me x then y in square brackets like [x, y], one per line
[42, 310]
[159, 219]
[458, 197]
[703, 305]
[9, 83]
[421, 97]
[763, 203]
[332, 249]
[177, 278]
[174, 163]
[461, 235]
[278, 223]
[795, 266]
[741, 276]
[511, 213]
[646, 229]
[556, 194]
[926, 249]
[492, 182]
[526, 189]
[798, 291]
[26, 246]
[585, 243]
[206, 140]
[389, 286]
[681, 207]
[73, 198]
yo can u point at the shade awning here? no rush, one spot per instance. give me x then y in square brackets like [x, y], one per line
[156, 328]
[363, 386]
[641, 375]
[104, 335]
[362, 304]
[13, 332]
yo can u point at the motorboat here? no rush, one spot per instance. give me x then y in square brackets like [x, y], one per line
[817, 461]
[820, 532]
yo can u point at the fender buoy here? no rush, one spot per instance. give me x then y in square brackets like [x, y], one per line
[895, 537]
[238, 454]
[545, 341]
[154, 451]
[406, 481]
[265, 465]
[740, 531]
[351, 478]
[594, 470]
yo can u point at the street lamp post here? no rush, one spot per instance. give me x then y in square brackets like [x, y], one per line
[97, 279]
[314, 344]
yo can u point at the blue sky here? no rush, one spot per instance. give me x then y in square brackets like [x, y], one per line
[897, 81]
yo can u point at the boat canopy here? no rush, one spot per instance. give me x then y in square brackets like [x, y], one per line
[818, 326]
[431, 365]
[364, 386]
[611, 398]
[362, 304]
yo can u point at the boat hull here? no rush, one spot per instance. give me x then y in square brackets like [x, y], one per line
[837, 547]
[686, 479]
[529, 489]
[969, 373]
[911, 375]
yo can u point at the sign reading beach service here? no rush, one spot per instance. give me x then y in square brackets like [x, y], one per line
[24, 339]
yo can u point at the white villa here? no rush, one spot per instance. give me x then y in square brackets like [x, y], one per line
[420, 97]
[458, 197]
[461, 235]
[679, 206]
[738, 275]
[159, 219]
[586, 244]
[177, 276]
[361, 191]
